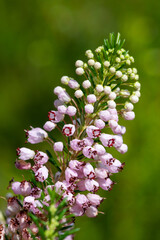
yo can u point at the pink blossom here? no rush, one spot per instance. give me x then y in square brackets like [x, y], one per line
[71, 111]
[105, 158]
[68, 129]
[62, 109]
[57, 90]
[41, 174]
[99, 123]
[89, 108]
[77, 145]
[64, 97]
[60, 187]
[25, 188]
[91, 98]
[36, 192]
[55, 116]
[111, 140]
[77, 210]
[16, 188]
[88, 171]
[105, 184]
[99, 148]
[49, 126]
[25, 153]
[82, 200]
[70, 175]
[105, 115]
[129, 115]
[91, 185]
[90, 152]
[58, 146]
[94, 199]
[76, 165]
[73, 84]
[40, 158]
[20, 164]
[13, 205]
[93, 132]
[91, 211]
[36, 135]
[101, 173]
[123, 148]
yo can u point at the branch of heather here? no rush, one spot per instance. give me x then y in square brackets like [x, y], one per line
[65, 181]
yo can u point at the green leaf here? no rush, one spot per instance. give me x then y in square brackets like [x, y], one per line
[69, 232]
[112, 40]
[53, 161]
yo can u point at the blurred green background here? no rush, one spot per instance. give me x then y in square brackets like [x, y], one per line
[40, 40]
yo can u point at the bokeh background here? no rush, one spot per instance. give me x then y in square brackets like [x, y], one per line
[39, 42]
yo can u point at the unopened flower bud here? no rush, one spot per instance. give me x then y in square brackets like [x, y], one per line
[99, 88]
[97, 65]
[79, 63]
[79, 71]
[107, 90]
[65, 80]
[49, 126]
[86, 84]
[58, 146]
[78, 94]
[89, 108]
[91, 62]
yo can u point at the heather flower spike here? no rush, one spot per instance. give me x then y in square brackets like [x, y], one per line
[64, 183]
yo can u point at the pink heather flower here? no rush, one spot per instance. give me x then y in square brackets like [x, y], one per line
[70, 175]
[77, 210]
[99, 123]
[94, 199]
[81, 185]
[25, 234]
[41, 174]
[60, 187]
[57, 90]
[99, 148]
[68, 129]
[123, 148]
[16, 188]
[111, 140]
[129, 115]
[101, 173]
[64, 97]
[13, 225]
[105, 184]
[29, 203]
[25, 188]
[105, 115]
[22, 165]
[13, 205]
[25, 153]
[88, 171]
[113, 124]
[89, 108]
[41, 158]
[91, 212]
[62, 109]
[58, 146]
[113, 165]
[89, 152]
[105, 158]
[91, 98]
[93, 132]
[71, 111]
[69, 197]
[114, 114]
[73, 84]
[119, 130]
[76, 165]
[82, 200]
[49, 126]
[55, 116]
[36, 192]
[88, 141]
[58, 103]
[91, 185]
[77, 145]
[36, 135]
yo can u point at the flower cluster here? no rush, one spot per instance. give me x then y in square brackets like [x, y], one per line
[82, 162]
